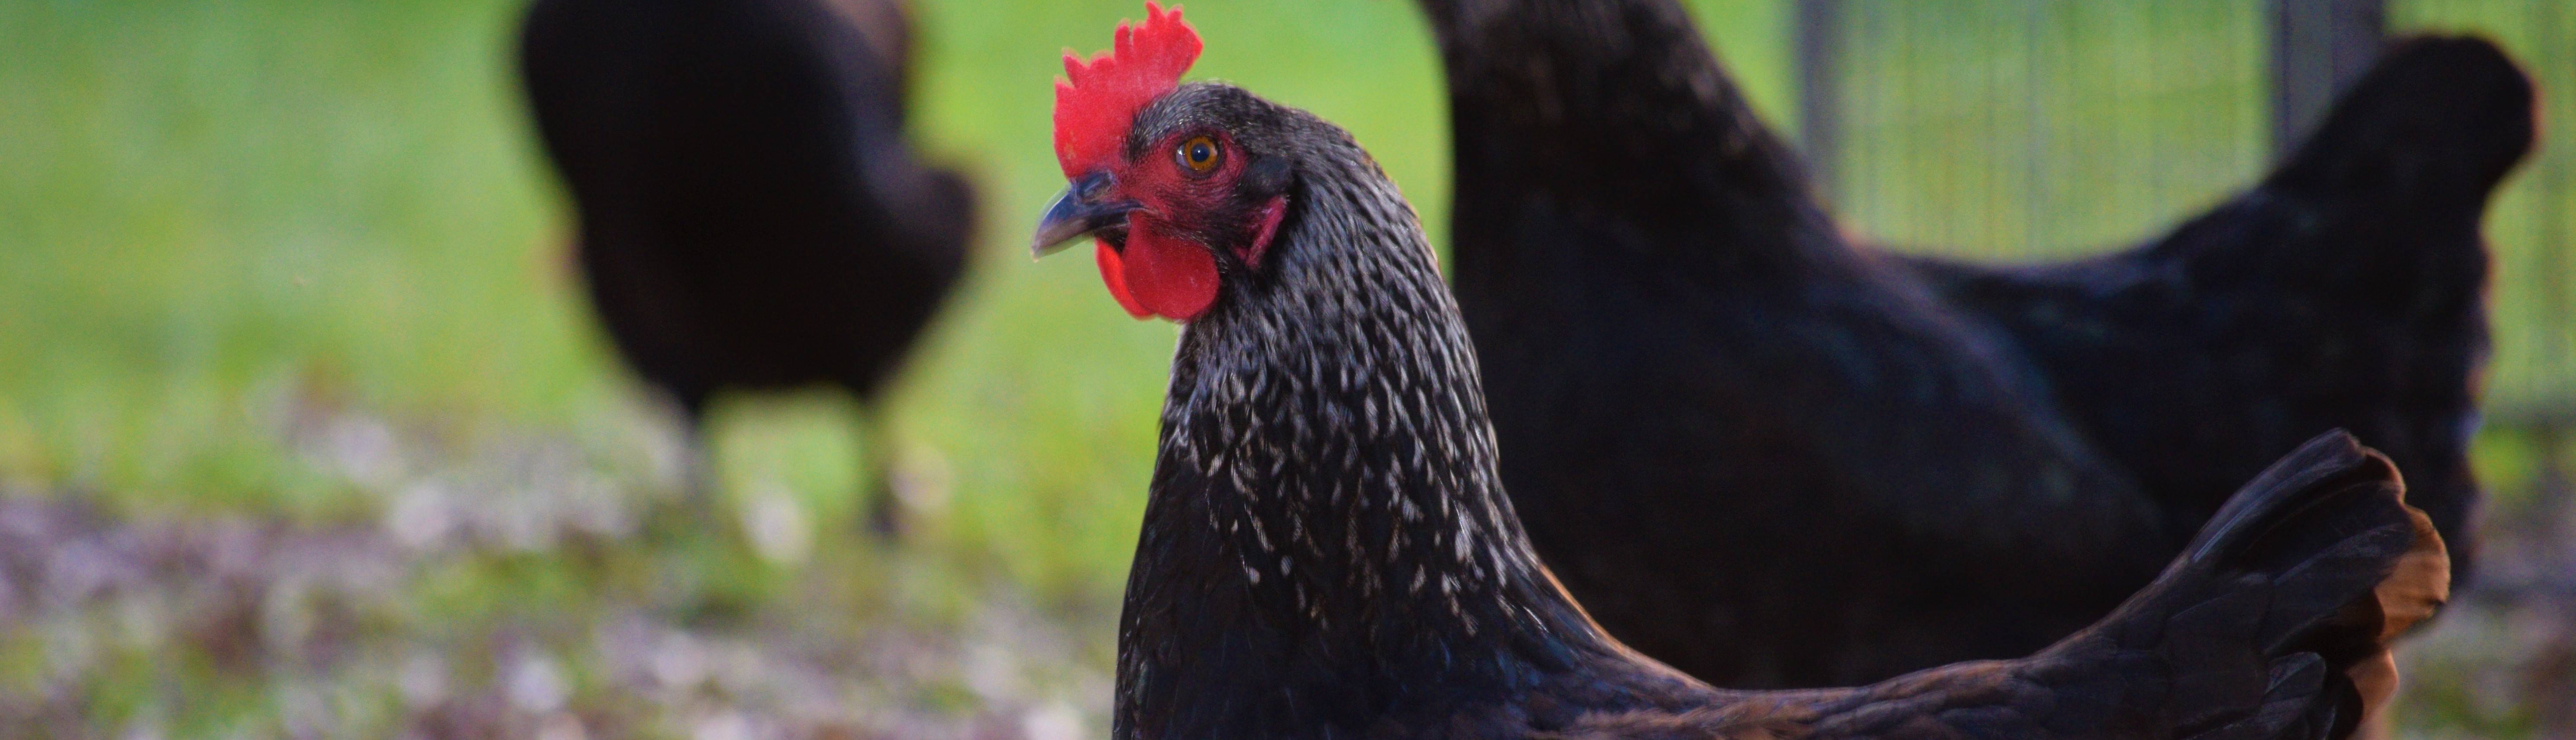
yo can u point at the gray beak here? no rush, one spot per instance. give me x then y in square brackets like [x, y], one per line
[1085, 208]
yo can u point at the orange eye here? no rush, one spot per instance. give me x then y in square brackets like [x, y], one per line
[1200, 154]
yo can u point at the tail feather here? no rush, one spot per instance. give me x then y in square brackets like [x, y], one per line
[2277, 620]
[2438, 117]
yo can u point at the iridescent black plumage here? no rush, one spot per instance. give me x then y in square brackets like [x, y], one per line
[751, 216]
[1914, 462]
[1328, 552]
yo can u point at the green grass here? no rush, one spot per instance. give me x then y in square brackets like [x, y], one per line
[217, 218]
[212, 206]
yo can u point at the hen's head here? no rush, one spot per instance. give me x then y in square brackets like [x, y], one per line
[1179, 185]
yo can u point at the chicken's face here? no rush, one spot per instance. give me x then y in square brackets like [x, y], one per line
[1167, 184]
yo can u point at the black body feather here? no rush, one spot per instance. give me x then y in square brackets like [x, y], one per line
[1911, 462]
[1328, 551]
[750, 214]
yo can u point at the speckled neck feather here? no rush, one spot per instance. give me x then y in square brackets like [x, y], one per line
[1326, 536]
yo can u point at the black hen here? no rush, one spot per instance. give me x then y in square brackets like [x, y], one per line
[1688, 363]
[751, 216]
[1327, 551]
[2347, 290]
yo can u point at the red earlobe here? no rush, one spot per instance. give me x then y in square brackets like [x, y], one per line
[1268, 228]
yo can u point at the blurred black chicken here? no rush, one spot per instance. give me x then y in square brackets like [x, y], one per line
[751, 216]
[2348, 289]
[1328, 552]
[1909, 462]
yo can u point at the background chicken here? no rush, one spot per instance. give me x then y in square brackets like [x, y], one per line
[1687, 362]
[1327, 550]
[751, 217]
[2345, 290]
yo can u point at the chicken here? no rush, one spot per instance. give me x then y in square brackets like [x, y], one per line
[2348, 289]
[1328, 551]
[1916, 462]
[750, 214]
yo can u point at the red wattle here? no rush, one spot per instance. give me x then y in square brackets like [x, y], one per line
[1115, 275]
[1171, 278]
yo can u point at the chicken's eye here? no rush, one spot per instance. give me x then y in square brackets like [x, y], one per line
[1200, 154]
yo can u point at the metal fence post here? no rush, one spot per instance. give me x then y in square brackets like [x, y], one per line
[2318, 48]
[1819, 34]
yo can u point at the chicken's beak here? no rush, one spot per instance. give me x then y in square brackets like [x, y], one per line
[1090, 206]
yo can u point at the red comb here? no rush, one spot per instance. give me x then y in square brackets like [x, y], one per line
[1097, 101]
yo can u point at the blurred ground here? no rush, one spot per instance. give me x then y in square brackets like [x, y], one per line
[514, 591]
[304, 433]
[510, 591]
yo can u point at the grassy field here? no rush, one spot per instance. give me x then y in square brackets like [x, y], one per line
[288, 342]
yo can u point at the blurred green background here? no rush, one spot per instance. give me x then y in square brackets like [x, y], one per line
[295, 269]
